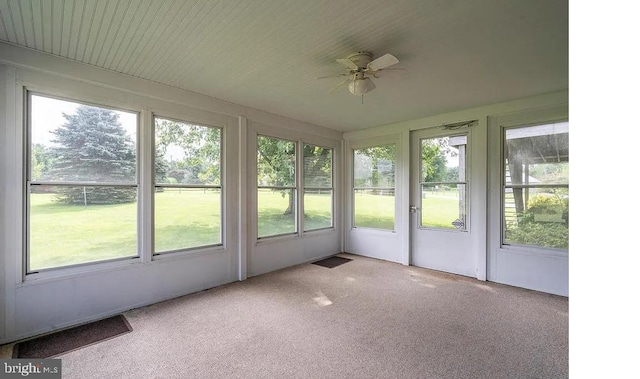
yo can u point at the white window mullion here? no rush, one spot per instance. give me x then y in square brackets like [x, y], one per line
[146, 186]
[300, 187]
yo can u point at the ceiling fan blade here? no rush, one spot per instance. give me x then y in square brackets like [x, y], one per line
[347, 63]
[333, 76]
[382, 62]
[340, 85]
[376, 73]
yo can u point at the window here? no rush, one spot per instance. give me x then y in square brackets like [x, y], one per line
[318, 187]
[277, 187]
[536, 186]
[81, 184]
[374, 187]
[443, 182]
[188, 191]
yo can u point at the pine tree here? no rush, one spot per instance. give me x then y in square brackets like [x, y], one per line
[92, 146]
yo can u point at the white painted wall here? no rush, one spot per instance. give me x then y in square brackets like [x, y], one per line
[50, 300]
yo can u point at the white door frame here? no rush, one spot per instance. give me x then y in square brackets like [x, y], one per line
[476, 195]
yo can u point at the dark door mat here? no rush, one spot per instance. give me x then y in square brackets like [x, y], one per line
[75, 338]
[332, 262]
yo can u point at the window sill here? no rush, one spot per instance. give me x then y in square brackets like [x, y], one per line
[364, 229]
[63, 273]
[534, 250]
[193, 252]
[318, 232]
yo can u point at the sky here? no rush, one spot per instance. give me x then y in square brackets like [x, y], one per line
[47, 115]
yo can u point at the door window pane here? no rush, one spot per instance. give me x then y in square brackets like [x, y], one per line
[443, 182]
[536, 186]
[374, 187]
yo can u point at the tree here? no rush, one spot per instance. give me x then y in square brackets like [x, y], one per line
[317, 166]
[434, 161]
[41, 161]
[376, 166]
[277, 163]
[92, 146]
[277, 166]
[200, 149]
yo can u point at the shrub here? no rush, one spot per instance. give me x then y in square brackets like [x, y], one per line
[548, 234]
[548, 204]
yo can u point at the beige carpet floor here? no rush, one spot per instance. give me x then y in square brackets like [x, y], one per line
[363, 319]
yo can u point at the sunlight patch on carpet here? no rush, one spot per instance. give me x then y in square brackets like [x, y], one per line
[322, 300]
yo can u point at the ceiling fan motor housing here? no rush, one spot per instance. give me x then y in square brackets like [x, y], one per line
[361, 58]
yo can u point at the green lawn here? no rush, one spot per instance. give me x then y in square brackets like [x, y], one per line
[440, 209]
[374, 211]
[71, 234]
[186, 218]
[65, 234]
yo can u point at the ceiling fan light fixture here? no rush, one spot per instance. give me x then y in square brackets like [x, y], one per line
[361, 86]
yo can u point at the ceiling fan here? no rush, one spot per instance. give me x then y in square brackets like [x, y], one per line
[360, 68]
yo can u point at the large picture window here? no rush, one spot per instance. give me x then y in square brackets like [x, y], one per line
[444, 182]
[277, 187]
[318, 187]
[81, 183]
[374, 187]
[188, 191]
[536, 186]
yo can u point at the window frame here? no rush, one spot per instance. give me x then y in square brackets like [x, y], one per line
[354, 188]
[330, 188]
[300, 139]
[295, 188]
[154, 185]
[503, 186]
[465, 228]
[27, 183]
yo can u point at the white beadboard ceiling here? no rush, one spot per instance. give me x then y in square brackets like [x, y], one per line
[456, 54]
